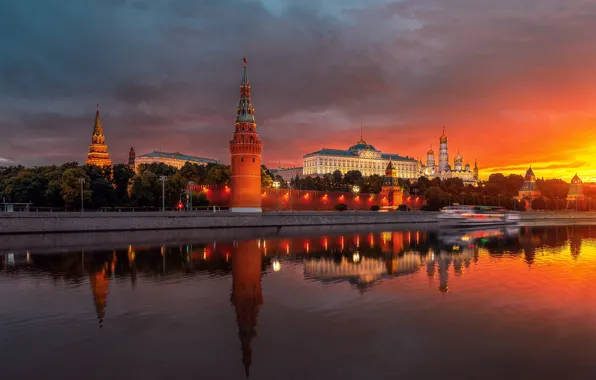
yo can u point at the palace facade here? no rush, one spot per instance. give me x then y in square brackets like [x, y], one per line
[362, 157]
[443, 169]
[98, 151]
[176, 160]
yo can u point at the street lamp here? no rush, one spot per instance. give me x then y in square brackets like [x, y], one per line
[163, 180]
[190, 184]
[82, 181]
[499, 196]
[276, 185]
[557, 204]
[463, 200]
[355, 190]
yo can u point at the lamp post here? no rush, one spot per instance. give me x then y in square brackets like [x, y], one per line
[163, 180]
[416, 190]
[449, 198]
[276, 185]
[463, 200]
[82, 181]
[190, 184]
[557, 203]
[499, 196]
[355, 190]
[484, 196]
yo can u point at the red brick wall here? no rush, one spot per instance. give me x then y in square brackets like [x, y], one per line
[304, 200]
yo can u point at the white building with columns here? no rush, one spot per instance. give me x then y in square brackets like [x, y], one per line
[362, 157]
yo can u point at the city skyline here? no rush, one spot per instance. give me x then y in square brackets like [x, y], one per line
[497, 76]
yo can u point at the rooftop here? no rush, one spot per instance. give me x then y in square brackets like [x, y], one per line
[354, 154]
[179, 156]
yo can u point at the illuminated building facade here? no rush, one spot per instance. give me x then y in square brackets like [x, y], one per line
[245, 152]
[391, 189]
[98, 151]
[443, 170]
[288, 174]
[362, 157]
[529, 190]
[176, 160]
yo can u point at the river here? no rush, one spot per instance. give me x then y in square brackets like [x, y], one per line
[370, 302]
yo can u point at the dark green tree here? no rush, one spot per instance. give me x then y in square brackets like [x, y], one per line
[219, 175]
[123, 175]
[71, 187]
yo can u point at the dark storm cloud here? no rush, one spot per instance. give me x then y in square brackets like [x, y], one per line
[166, 73]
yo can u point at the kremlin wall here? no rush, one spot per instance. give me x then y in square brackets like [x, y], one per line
[309, 200]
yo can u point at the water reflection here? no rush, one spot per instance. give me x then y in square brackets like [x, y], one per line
[362, 261]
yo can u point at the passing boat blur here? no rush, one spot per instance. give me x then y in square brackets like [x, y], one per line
[473, 216]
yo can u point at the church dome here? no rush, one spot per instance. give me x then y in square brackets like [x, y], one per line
[458, 157]
[576, 180]
[443, 137]
[467, 167]
[362, 145]
[431, 151]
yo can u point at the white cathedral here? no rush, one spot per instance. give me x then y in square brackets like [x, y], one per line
[444, 170]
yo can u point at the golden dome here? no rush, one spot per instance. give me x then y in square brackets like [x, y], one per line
[431, 151]
[443, 137]
[458, 157]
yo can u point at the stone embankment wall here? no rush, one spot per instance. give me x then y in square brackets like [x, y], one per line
[14, 223]
[19, 223]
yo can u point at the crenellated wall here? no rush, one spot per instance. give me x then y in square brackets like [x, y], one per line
[306, 200]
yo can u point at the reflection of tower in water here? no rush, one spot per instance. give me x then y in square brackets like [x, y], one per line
[99, 286]
[444, 262]
[575, 241]
[247, 295]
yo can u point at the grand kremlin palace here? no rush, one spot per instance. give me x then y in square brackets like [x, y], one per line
[363, 157]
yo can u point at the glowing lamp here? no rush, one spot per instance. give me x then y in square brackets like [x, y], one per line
[356, 257]
[276, 266]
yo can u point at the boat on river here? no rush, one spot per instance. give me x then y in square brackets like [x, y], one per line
[475, 216]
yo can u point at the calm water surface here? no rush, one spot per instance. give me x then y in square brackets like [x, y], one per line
[374, 304]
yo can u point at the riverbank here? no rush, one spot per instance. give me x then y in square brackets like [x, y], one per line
[35, 223]
[27, 223]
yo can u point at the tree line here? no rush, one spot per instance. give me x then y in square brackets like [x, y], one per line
[56, 186]
[59, 186]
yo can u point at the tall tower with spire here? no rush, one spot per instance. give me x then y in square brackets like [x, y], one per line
[247, 294]
[443, 152]
[245, 151]
[476, 170]
[131, 158]
[98, 151]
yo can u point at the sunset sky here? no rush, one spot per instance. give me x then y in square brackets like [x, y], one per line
[512, 81]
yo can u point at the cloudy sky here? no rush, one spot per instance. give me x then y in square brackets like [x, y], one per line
[512, 81]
